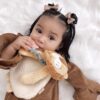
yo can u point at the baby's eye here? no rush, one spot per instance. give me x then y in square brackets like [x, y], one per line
[51, 38]
[38, 30]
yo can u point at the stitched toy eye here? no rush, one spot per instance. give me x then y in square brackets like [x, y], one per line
[57, 63]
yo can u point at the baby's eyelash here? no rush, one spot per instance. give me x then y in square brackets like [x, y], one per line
[38, 30]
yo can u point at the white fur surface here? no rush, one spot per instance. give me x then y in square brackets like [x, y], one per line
[18, 15]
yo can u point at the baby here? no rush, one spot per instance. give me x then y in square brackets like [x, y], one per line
[51, 31]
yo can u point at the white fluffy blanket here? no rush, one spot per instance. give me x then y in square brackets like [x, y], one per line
[18, 15]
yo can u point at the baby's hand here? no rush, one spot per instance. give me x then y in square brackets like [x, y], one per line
[25, 42]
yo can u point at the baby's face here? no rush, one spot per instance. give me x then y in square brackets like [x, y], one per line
[48, 33]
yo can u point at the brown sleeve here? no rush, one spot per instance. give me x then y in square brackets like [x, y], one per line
[76, 77]
[85, 89]
[5, 40]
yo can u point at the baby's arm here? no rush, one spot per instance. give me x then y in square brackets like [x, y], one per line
[85, 89]
[22, 41]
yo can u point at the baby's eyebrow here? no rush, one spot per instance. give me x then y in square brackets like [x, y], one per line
[53, 33]
[40, 25]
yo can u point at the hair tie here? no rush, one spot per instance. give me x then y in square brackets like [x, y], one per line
[51, 6]
[70, 20]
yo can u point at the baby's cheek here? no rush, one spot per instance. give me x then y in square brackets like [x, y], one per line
[53, 47]
[32, 36]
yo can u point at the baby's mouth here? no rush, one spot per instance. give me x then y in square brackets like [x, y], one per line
[39, 48]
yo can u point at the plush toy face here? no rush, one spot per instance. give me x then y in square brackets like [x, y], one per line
[57, 65]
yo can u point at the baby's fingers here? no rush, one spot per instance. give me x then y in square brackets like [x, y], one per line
[32, 43]
[26, 46]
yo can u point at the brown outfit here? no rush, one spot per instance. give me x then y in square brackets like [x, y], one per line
[85, 89]
[50, 93]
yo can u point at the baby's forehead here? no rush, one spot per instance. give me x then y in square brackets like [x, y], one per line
[53, 18]
[53, 24]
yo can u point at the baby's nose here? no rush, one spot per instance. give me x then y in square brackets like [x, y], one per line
[42, 39]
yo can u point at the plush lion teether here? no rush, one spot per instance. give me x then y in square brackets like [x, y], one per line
[54, 65]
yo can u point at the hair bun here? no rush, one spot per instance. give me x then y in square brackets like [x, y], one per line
[51, 6]
[71, 18]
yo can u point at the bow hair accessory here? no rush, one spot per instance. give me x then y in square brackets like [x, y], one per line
[70, 19]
